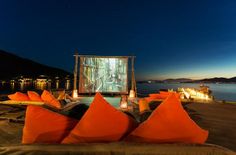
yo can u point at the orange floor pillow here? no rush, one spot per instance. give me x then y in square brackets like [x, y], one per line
[34, 96]
[158, 96]
[166, 94]
[45, 126]
[101, 123]
[169, 123]
[18, 96]
[47, 97]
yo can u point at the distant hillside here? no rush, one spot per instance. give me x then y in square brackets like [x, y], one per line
[217, 80]
[12, 66]
[185, 80]
[180, 80]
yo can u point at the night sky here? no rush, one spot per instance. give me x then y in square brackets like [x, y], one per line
[170, 38]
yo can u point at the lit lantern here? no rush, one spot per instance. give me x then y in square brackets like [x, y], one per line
[75, 93]
[132, 94]
[123, 102]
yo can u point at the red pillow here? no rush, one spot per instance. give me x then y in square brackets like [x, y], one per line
[34, 96]
[45, 126]
[18, 96]
[101, 123]
[50, 99]
[165, 92]
[158, 96]
[163, 95]
[169, 123]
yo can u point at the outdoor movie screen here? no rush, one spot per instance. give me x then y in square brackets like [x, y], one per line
[103, 74]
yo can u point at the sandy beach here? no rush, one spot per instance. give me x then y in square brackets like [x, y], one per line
[218, 118]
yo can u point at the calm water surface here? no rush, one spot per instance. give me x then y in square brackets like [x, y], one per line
[219, 91]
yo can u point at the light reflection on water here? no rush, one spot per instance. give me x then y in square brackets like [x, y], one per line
[7, 88]
[219, 91]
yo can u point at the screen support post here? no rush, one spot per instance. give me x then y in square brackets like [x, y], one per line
[75, 90]
[133, 91]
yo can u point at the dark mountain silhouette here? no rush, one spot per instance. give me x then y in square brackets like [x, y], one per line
[12, 66]
[179, 80]
[233, 79]
[185, 80]
[217, 80]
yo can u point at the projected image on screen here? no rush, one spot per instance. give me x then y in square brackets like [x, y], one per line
[103, 74]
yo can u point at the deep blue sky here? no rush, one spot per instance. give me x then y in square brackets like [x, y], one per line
[171, 38]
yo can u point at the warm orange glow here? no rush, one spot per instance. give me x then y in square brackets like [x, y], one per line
[124, 105]
[41, 84]
[195, 94]
[132, 94]
[75, 93]
[123, 102]
[143, 105]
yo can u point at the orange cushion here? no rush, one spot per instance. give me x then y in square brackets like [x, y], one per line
[101, 123]
[165, 92]
[50, 99]
[158, 96]
[45, 126]
[169, 123]
[18, 96]
[162, 95]
[34, 96]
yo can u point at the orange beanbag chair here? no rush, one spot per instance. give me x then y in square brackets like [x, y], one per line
[18, 96]
[45, 126]
[163, 95]
[158, 96]
[47, 97]
[101, 123]
[34, 96]
[169, 123]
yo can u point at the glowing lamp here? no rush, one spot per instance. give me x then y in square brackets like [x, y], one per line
[75, 93]
[123, 102]
[132, 94]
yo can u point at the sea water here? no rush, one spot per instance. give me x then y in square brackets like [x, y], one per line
[225, 92]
